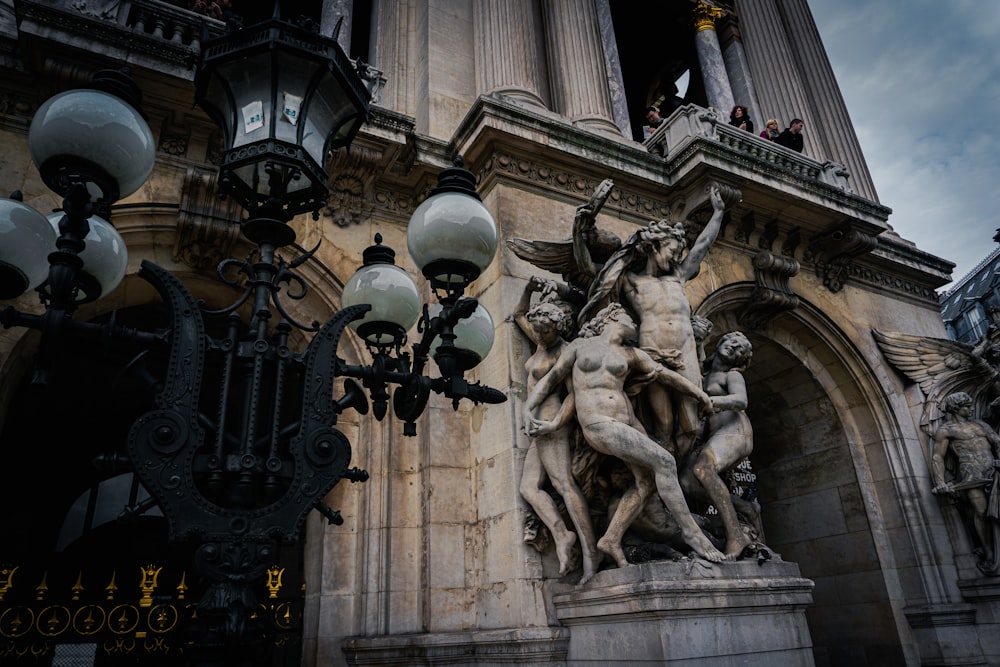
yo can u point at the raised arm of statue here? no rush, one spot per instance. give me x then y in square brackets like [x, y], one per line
[585, 228]
[691, 264]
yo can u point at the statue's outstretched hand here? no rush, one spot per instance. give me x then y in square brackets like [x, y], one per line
[716, 197]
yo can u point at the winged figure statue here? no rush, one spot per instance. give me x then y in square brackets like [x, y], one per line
[941, 367]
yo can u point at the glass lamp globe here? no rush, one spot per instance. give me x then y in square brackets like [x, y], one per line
[94, 136]
[473, 337]
[105, 257]
[26, 239]
[451, 236]
[391, 293]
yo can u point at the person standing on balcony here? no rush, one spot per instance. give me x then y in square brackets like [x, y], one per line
[653, 121]
[771, 130]
[791, 136]
[740, 117]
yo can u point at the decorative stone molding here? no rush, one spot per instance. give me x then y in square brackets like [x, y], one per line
[558, 180]
[772, 294]
[746, 227]
[792, 241]
[207, 225]
[685, 123]
[887, 282]
[833, 249]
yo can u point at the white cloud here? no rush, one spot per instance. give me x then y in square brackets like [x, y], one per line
[921, 81]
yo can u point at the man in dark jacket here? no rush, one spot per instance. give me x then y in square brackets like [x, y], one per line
[791, 136]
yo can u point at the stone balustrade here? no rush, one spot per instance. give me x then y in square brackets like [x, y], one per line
[692, 121]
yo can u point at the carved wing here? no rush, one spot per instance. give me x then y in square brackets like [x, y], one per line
[554, 256]
[941, 367]
[579, 258]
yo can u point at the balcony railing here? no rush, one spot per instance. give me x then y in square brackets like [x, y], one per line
[148, 33]
[691, 121]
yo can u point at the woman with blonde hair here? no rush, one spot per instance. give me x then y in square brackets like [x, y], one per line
[770, 130]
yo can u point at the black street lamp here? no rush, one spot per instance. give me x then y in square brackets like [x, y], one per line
[242, 443]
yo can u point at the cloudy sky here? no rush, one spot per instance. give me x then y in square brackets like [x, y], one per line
[921, 80]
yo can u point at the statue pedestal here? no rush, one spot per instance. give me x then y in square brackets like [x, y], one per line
[690, 613]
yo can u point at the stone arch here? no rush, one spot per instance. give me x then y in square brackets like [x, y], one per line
[831, 464]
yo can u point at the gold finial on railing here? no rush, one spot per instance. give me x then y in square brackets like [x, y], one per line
[112, 586]
[78, 586]
[43, 587]
[182, 587]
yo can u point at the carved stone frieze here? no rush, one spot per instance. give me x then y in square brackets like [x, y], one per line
[352, 177]
[207, 226]
[772, 294]
[555, 179]
[833, 250]
[885, 281]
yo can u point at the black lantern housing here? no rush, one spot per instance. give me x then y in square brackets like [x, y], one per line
[283, 96]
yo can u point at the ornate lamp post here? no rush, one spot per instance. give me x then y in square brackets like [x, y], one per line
[242, 443]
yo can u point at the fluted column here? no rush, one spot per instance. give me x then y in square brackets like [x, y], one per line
[577, 70]
[508, 50]
[833, 129]
[713, 67]
[394, 51]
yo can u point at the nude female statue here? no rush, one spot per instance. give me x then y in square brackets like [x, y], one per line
[598, 364]
[550, 454]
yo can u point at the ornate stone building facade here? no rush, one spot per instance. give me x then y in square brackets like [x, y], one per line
[544, 99]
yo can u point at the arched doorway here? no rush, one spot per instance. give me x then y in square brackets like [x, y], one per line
[816, 441]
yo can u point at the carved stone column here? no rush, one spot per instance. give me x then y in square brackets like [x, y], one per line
[616, 82]
[713, 67]
[508, 51]
[577, 71]
[738, 69]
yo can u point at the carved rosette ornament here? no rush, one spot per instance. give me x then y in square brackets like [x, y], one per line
[833, 250]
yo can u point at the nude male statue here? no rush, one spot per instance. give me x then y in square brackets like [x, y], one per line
[976, 447]
[649, 275]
